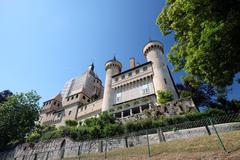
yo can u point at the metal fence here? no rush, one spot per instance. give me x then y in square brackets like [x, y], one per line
[210, 134]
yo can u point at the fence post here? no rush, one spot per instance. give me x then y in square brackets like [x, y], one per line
[208, 130]
[126, 141]
[47, 155]
[106, 145]
[62, 153]
[219, 138]
[161, 135]
[149, 152]
[35, 156]
[79, 151]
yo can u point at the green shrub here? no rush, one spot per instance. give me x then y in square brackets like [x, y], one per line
[47, 128]
[71, 123]
[132, 126]
[95, 132]
[51, 135]
[164, 96]
[113, 130]
[33, 136]
[146, 123]
[184, 94]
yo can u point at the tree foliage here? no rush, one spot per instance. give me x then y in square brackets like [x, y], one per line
[18, 114]
[164, 96]
[207, 38]
[4, 94]
[201, 93]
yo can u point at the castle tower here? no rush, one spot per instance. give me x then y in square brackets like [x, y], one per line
[153, 51]
[112, 67]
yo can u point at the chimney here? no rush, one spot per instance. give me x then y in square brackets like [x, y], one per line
[132, 63]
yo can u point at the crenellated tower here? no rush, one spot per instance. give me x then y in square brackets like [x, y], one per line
[112, 67]
[153, 51]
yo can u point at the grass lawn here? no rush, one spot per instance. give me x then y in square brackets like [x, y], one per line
[198, 148]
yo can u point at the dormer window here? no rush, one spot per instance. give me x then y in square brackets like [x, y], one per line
[130, 74]
[123, 76]
[116, 79]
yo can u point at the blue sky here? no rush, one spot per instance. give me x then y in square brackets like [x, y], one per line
[43, 43]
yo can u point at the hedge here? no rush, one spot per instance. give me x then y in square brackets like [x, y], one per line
[85, 132]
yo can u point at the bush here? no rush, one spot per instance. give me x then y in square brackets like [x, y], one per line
[33, 137]
[184, 94]
[71, 123]
[113, 130]
[95, 132]
[51, 135]
[164, 96]
[132, 126]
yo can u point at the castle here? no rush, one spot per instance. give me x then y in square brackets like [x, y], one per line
[125, 93]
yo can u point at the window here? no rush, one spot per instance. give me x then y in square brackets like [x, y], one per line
[68, 99]
[137, 71]
[130, 74]
[77, 96]
[84, 97]
[54, 103]
[69, 113]
[72, 97]
[145, 89]
[145, 68]
[88, 100]
[116, 79]
[118, 97]
[59, 114]
[123, 76]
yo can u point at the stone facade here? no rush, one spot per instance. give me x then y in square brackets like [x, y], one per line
[84, 96]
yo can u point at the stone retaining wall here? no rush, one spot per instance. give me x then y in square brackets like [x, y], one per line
[59, 148]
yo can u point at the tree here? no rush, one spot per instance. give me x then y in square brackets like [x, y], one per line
[201, 93]
[18, 114]
[4, 94]
[207, 38]
[164, 96]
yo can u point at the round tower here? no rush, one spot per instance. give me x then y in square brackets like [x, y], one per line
[162, 80]
[112, 68]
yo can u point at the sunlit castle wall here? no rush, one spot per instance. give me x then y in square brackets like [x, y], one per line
[153, 51]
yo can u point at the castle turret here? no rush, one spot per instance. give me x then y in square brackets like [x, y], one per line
[153, 51]
[112, 67]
